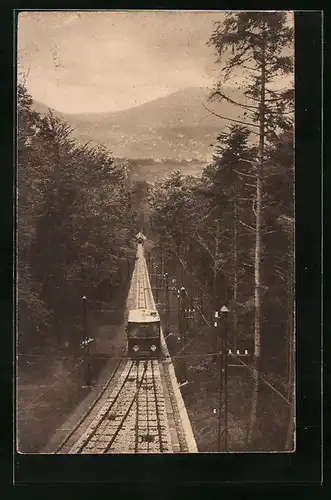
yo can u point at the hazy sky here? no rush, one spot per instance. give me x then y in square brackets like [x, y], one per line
[106, 61]
[100, 61]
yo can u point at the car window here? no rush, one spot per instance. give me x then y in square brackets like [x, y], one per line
[143, 330]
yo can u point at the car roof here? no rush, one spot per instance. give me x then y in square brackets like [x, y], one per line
[143, 316]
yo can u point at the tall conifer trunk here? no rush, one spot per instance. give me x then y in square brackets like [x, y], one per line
[258, 251]
[235, 276]
[215, 294]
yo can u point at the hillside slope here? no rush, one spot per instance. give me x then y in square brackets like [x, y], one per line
[175, 126]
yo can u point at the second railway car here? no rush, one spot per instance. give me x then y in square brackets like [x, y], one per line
[143, 333]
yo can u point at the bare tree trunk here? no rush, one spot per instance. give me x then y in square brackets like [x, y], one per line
[235, 277]
[255, 390]
[257, 259]
[201, 304]
[291, 340]
[162, 265]
[215, 297]
[179, 270]
[291, 347]
[257, 302]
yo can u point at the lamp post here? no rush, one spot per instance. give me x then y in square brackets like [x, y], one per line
[219, 357]
[85, 345]
[156, 285]
[192, 313]
[225, 312]
[179, 315]
[166, 286]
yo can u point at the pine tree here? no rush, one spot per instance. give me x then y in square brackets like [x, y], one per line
[74, 236]
[228, 187]
[256, 43]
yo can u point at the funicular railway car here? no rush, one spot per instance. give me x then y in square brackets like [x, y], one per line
[143, 334]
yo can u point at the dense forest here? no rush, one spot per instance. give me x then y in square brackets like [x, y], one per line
[227, 236]
[204, 228]
[74, 237]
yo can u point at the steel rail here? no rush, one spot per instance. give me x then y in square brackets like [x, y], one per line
[157, 411]
[109, 445]
[80, 422]
[136, 445]
[102, 419]
[147, 410]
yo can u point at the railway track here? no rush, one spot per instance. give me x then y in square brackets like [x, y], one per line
[138, 410]
[140, 294]
[133, 418]
[151, 432]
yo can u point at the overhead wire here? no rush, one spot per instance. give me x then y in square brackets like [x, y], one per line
[175, 356]
[165, 358]
[244, 364]
[260, 376]
[61, 377]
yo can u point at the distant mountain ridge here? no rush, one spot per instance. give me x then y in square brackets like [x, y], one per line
[175, 126]
[43, 109]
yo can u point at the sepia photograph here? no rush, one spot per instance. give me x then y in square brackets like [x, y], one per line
[155, 212]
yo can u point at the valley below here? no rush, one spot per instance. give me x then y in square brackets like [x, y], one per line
[160, 136]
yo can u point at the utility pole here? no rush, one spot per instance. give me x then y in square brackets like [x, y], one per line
[183, 324]
[223, 378]
[225, 312]
[220, 394]
[215, 271]
[167, 312]
[156, 285]
[179, 315]
[217, 337]
[190, 316]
